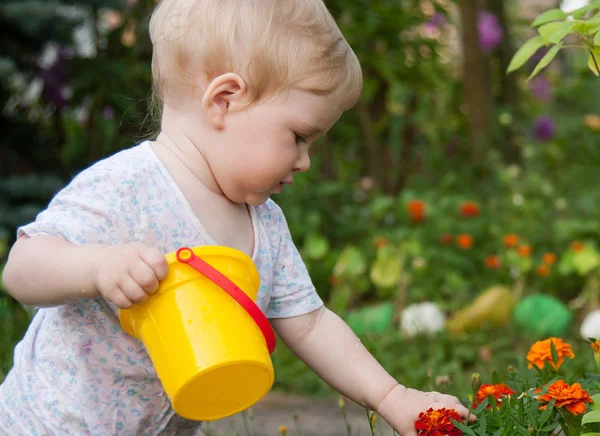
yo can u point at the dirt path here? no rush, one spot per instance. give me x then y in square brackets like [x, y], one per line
[316, 417]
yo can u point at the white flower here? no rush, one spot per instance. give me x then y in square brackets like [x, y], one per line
[590, 327]
[422, 318]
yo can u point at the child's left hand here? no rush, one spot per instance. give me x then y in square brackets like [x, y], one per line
[402, 406]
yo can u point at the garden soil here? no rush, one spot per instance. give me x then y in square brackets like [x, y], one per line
[315, 417]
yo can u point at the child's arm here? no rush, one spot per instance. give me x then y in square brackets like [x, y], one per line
[332, 350]
[48, 271]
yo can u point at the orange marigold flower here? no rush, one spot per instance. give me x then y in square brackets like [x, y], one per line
[573, 397]
[381, 242]
[497, 391]
[511, 240]
[334, 280]
[464, 241]
[493, 262]
[549, 258]
[595, 346]
[437, 422]
[469, 208]
[446, 239]
[577, 246]
[524, 250]
[416, 209]
[541, 352]
[543, 270]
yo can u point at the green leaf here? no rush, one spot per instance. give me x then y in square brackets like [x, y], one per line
[481, 406]
[547, 30]
[561, 32]
[544, 417]
[499, 432]
[548, 16]
[597, 39]
[596, 402]
[593, 416]
[546, 60]
[387, 268]
[578, 13]
[482, 425]
[591, 434]
[585, 27]
[594, 60]
[316, 246]
[525, 52]
[351, 263]
[463, 427]
[554, 353]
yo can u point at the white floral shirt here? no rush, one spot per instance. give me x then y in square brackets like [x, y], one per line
[76, 371]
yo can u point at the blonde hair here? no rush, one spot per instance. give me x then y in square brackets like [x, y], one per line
[273, 44]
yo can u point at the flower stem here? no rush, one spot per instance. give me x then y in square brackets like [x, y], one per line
[370, 422]
[595, 62]
[247, 425]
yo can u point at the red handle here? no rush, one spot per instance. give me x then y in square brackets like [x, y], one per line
[186, 255]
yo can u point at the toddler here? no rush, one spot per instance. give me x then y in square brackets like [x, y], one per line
[246, 86]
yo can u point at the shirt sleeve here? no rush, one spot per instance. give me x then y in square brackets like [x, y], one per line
[292, 290]
[97, 207]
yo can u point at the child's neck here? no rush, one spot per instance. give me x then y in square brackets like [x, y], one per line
[178, 149]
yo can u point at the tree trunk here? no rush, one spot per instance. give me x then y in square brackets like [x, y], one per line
[476, 82]
[509, 97]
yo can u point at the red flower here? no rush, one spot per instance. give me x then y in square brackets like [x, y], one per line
[437, 423]
[493, 262]
[524, 250]
[543, 270]
[469, 208]
[446, 239]
[549, 258]
[464, 241]
[511, 240]
[381, 242]
[416, 209]
[573, 397]
[577, 246]
[497, 391]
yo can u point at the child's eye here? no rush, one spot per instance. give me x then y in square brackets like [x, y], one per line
[299, 138]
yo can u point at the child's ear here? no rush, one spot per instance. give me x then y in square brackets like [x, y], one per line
[224, 93]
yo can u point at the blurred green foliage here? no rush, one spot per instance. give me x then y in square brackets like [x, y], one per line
[67, 104]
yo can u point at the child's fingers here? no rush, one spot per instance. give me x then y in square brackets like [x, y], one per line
[144, 276]
[132, 290]
[119, 299]
[156, 261]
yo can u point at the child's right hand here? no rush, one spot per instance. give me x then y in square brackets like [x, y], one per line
[126, 274]
[402, 406]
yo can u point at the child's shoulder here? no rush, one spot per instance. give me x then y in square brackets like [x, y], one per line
[129, 161]
[133, 166]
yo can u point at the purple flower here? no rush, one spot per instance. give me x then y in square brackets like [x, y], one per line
[541, 88]
[543, 128]
[108, 113]
[490, 31]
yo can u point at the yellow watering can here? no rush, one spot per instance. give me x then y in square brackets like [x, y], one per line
[209, 342]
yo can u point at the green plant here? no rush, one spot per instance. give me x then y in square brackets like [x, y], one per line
[553, 27]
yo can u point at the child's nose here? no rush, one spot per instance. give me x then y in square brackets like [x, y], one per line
[303, 162]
